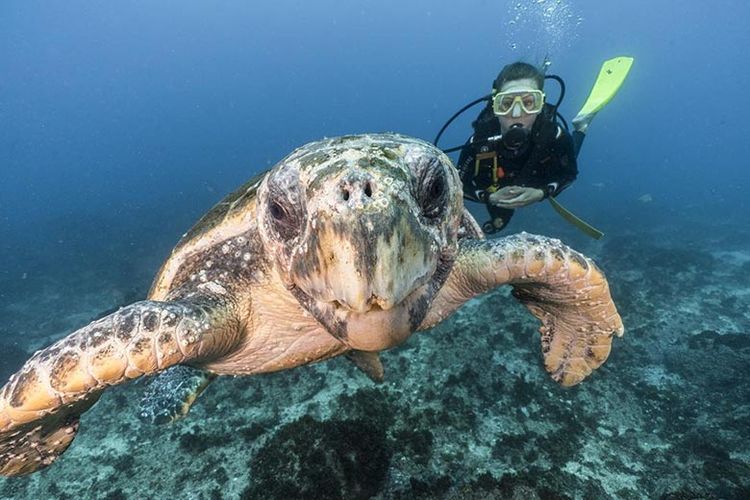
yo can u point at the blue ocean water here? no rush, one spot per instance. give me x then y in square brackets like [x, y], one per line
[122, 123]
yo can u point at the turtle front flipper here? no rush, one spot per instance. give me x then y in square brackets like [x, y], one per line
[171, 394]
[41, 404]
[561, 287]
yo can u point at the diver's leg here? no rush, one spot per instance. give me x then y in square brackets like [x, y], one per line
[578, 138]
[581, 122]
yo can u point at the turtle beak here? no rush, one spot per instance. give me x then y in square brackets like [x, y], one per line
[363, 253]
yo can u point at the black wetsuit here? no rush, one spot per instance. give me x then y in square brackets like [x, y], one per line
[547, 163]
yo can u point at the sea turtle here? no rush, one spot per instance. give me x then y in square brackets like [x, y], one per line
[347, 245]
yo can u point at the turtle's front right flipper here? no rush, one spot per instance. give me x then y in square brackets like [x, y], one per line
[565, 290]
[41, 404]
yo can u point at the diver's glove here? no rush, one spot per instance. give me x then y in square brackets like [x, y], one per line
[515, 196]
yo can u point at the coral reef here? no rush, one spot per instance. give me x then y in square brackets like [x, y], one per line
[466, 411]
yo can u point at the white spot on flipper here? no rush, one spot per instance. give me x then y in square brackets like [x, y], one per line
[213, 287]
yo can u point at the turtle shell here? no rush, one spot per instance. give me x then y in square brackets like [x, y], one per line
[231, 216]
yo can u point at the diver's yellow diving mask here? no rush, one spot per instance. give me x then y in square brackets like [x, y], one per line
[530, 101]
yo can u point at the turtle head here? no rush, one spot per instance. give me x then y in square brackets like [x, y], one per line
[363, 228]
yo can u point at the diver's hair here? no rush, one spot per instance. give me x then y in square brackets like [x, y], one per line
[517, 71]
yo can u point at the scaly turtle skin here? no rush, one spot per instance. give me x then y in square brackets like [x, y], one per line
[348, 245]
[172, 392]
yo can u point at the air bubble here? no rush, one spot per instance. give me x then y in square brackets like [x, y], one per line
[548, 25]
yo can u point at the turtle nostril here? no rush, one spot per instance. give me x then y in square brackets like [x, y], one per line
[368, 190]
[345, 194]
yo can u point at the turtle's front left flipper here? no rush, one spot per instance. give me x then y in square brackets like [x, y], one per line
[561, 287]
[41, 404]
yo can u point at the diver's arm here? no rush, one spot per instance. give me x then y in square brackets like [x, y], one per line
[563, 169]
[466, 171]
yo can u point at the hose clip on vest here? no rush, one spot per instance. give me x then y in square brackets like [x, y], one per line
[497, 170]
[489, 228]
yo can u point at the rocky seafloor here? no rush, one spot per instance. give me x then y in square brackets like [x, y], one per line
[466, 410]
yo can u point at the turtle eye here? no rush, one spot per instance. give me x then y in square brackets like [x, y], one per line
[432, 191]
[277, 211]
[286, 221]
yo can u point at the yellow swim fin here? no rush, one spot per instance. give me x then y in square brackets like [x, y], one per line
[609, 81]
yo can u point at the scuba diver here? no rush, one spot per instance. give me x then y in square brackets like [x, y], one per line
[521, 151]
[518, 154]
